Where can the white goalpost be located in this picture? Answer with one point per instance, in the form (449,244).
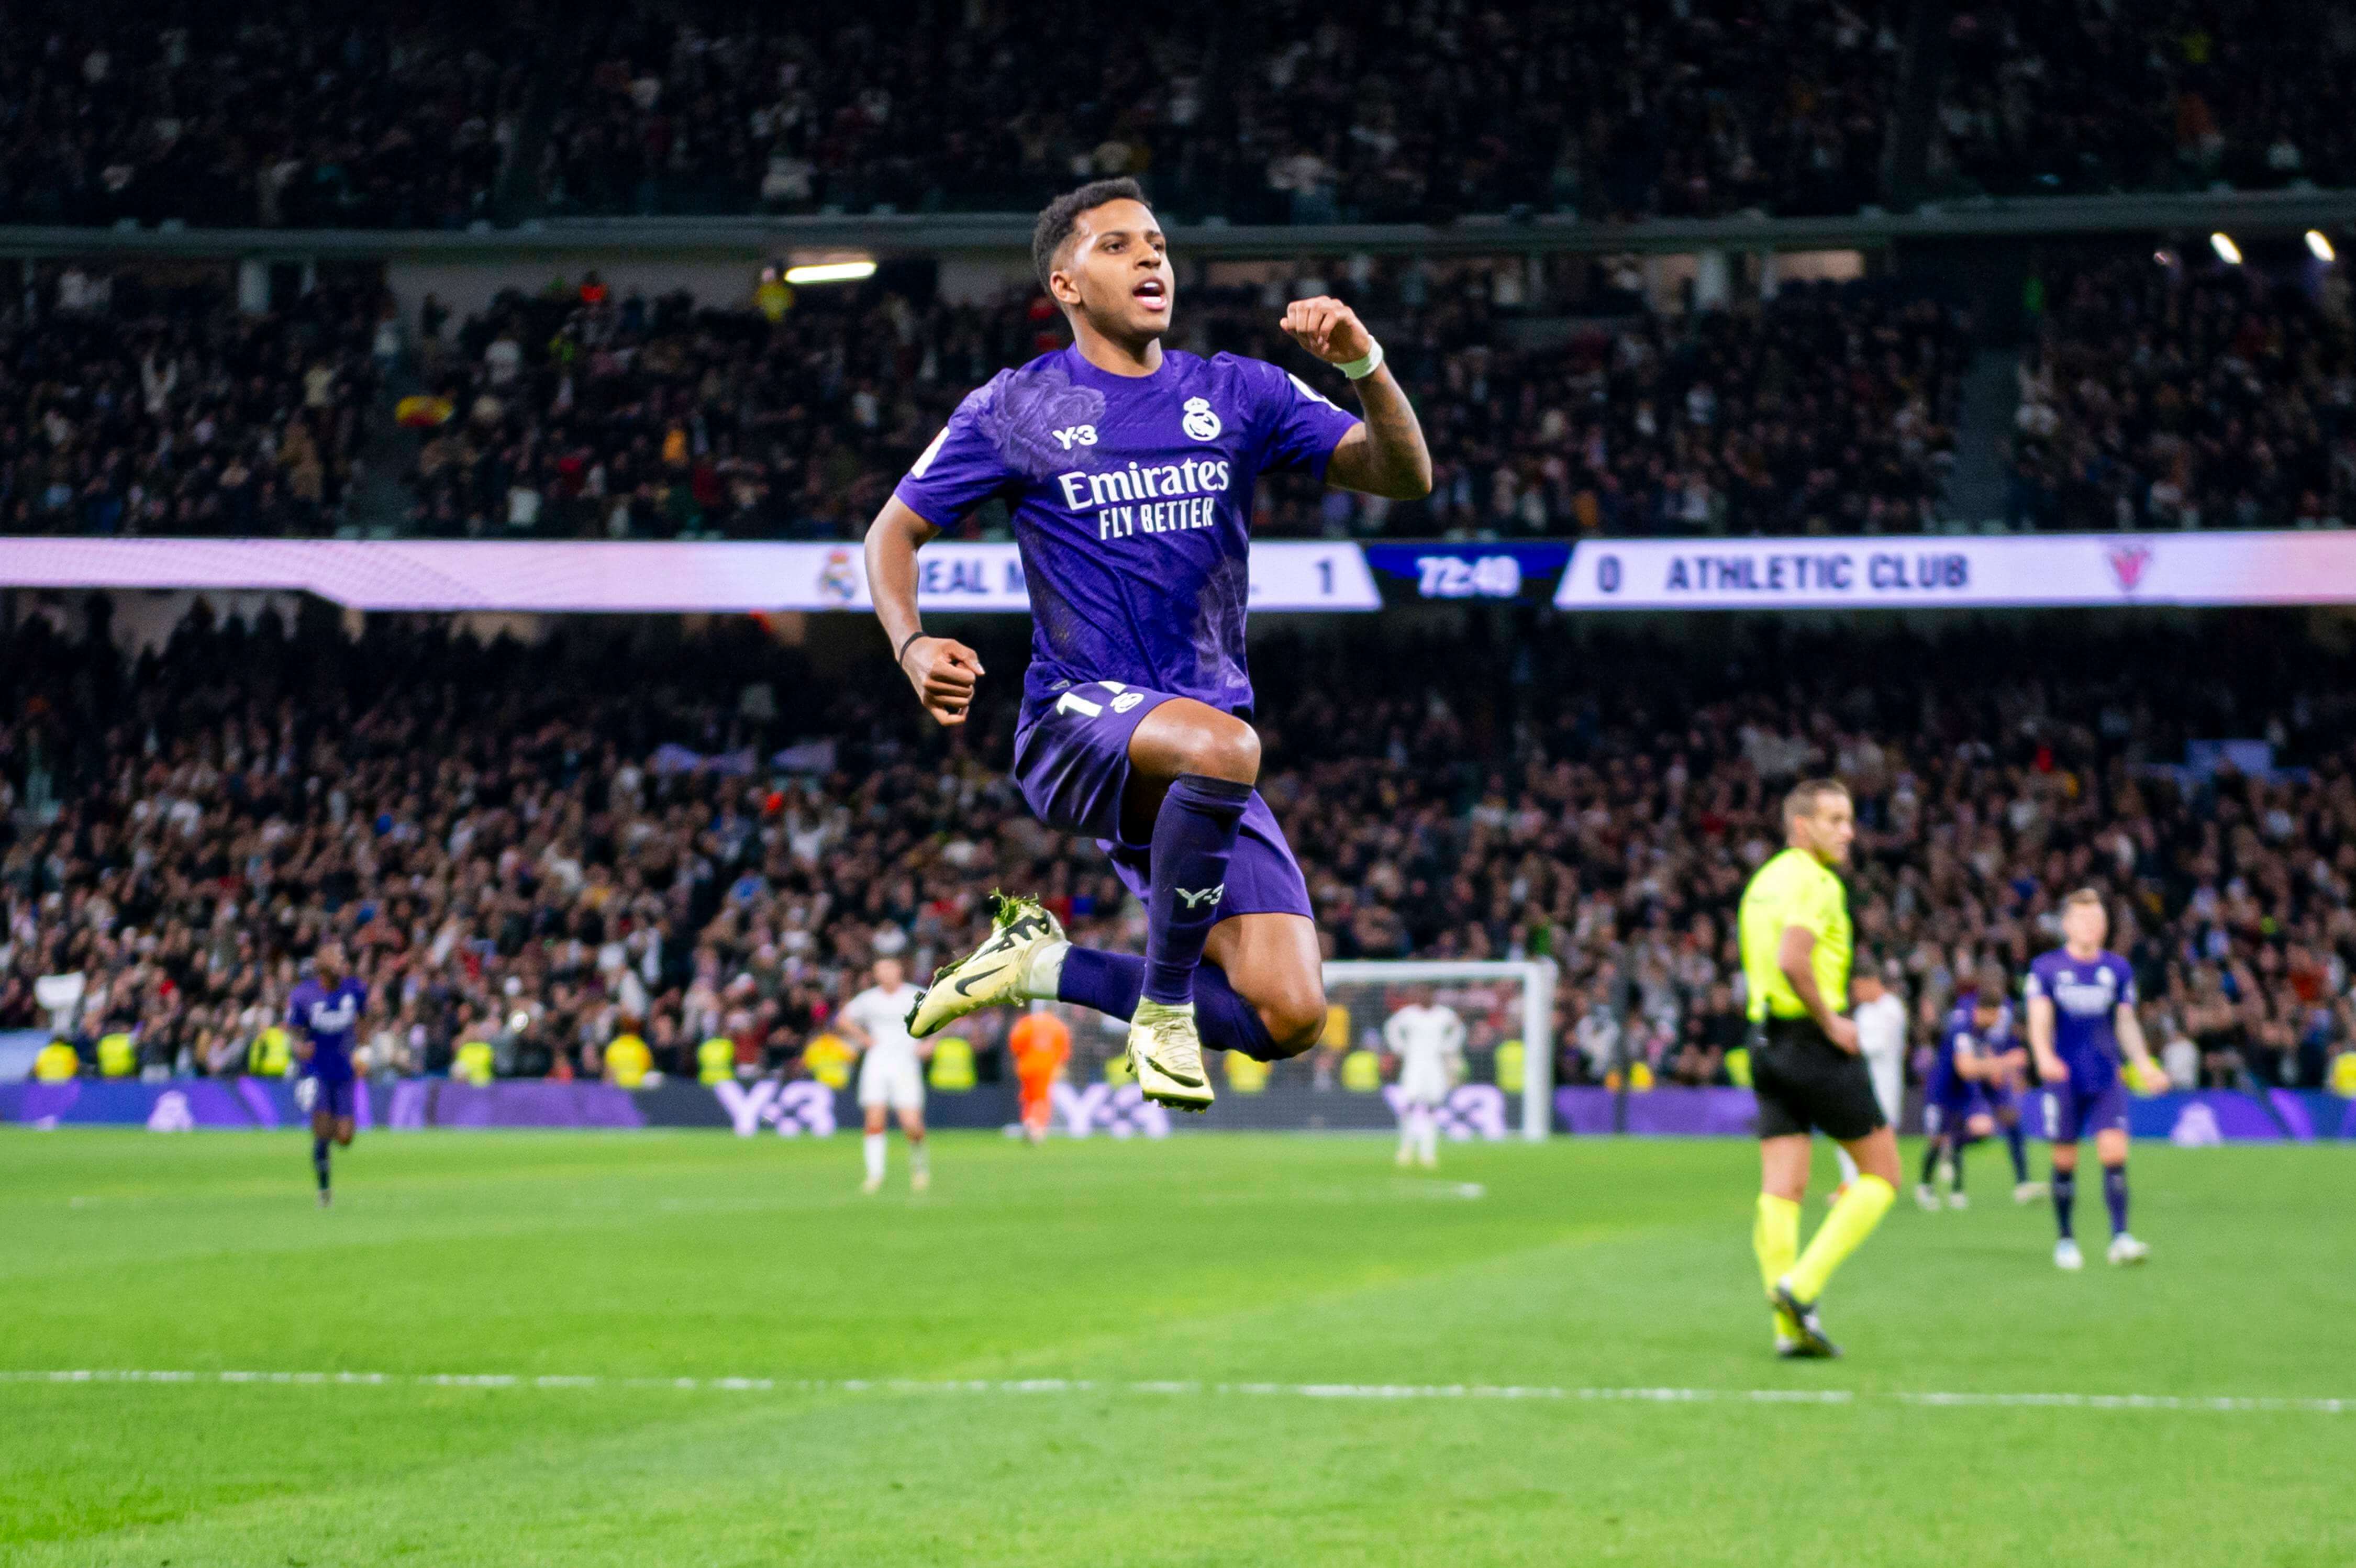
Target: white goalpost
(1348,1082)
(1484,991)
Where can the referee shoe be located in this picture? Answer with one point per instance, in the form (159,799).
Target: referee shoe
(1812,1343)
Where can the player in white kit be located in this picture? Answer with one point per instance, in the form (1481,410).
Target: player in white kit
(891,1075)
(1429,1042)
(1880,1019)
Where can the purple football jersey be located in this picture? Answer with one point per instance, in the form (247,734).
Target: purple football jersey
(1132,500)
(2085,993)
(328,1017)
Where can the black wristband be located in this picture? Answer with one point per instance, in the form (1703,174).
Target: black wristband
(906,644)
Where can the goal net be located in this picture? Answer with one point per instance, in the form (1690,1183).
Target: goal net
(1350,1082)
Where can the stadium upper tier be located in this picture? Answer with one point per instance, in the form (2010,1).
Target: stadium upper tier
(436,116)
(694,838)
(582,412)
(2152,395)
(1827,409)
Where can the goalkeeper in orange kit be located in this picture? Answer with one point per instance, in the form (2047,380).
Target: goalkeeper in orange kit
(1040,1045)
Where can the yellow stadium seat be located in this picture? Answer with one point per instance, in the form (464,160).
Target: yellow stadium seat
(1513,1060)
(473,1063)
(271,1056)
(627,1061)
(952,1066)
(716,1060)
(828,1058)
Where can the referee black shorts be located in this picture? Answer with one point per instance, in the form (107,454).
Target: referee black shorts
(1806,1083)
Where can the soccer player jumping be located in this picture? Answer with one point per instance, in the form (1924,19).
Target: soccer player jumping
(1129,470)
(2081,1004)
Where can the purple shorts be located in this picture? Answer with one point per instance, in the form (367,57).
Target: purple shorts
(1950,1107)
(1072,762)
(2074,1110)
(332,1095)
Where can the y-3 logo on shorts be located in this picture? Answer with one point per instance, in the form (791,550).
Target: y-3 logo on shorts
(1073,436)
(1208,895)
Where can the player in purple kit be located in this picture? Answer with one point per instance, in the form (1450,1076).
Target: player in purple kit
(2004,1078)
(1129,471)
(1955,1108)
(1973,1091)
(2080,1016)
(322,1014)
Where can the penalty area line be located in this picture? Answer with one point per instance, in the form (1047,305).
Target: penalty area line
(2209,1403)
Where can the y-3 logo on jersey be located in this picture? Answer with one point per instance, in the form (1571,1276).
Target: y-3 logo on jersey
(1197,900)
(1073,436)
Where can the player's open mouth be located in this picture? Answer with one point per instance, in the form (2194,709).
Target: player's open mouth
(1151,295)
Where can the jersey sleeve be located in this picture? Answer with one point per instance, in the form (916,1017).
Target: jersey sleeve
(2127,984)
(1394,1032)
(2032,986)
(961,469)
(1452,1035)
(1299,426)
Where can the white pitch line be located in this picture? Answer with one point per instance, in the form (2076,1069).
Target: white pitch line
(2219,1403)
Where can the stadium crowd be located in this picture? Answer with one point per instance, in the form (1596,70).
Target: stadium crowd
(1310,112)
(1306,112)
(2087,95)
(574,412)
(2162,394)
(128,406)
(323,115)
(633,831)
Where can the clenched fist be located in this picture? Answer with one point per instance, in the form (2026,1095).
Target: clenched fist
(943,671)
(1329,329)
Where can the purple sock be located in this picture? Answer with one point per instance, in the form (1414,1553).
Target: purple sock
(1109,983)
(2065,1197)
(2114,1193)
(1193,835)
(2018,1145)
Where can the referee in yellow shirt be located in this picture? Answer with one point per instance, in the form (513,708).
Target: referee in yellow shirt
(1805,1065)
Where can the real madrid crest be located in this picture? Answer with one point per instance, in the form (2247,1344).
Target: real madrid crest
(1200,422)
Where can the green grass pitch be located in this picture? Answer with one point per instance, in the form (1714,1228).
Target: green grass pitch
(1248,1268)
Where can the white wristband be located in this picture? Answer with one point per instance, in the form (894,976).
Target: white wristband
(1359,369)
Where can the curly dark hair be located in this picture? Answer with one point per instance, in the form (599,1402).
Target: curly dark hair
(1062,214)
